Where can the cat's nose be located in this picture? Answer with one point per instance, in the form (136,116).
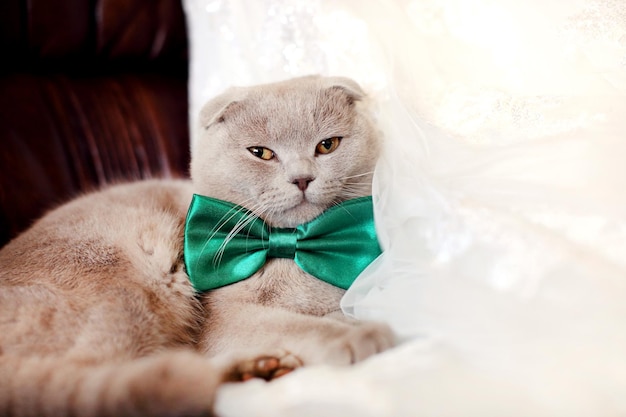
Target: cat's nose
(302,183)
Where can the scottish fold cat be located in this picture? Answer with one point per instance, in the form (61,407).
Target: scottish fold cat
(98,316)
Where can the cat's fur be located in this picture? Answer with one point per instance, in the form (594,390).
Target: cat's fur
(97,315)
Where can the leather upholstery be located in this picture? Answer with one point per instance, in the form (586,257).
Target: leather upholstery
(90,93)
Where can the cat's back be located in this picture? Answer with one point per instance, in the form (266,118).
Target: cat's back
(98,230)
(108,261)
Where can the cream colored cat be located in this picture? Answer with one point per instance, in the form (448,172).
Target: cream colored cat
(97,314)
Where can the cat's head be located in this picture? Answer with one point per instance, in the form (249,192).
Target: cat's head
(288,150)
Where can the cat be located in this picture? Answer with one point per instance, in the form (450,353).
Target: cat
(97,313)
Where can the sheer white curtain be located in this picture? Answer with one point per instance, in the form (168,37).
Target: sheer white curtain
(500,192)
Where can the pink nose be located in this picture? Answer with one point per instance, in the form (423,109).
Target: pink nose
(302,183)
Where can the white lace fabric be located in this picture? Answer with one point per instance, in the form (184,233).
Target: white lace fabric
(499,196)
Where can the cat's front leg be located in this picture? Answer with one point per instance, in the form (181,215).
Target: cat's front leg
(247,329)
(361,339)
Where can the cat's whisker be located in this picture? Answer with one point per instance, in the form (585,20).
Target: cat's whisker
(352,194)
(338,203)
(357,175)
(355,189)
(241,225)
(360,190)
(223,221)
(269,216)
(237,228)
(252,214)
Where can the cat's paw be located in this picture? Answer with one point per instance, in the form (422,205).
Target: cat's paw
(265,367)
(360,342)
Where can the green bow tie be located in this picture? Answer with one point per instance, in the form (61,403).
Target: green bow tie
(225,243)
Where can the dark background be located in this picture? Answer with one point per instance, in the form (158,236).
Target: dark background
(91,92)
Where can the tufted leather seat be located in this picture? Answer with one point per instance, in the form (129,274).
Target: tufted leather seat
(91,92)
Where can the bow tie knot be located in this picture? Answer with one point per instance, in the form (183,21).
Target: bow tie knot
(282,243)
(225,243)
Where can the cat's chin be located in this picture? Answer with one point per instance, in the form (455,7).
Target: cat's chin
(303,212)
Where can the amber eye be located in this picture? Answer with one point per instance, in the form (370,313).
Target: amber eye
(328,145)
(261,152)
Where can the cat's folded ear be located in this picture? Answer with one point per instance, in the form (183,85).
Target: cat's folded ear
(216,109)
(350,87)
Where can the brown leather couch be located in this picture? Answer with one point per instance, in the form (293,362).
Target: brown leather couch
(91,92)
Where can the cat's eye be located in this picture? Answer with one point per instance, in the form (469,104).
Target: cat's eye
(261,152)
(328,145)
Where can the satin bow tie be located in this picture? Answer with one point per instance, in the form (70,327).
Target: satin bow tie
(225,243)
